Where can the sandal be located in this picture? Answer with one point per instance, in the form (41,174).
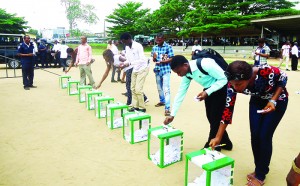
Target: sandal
(254,182)
(250,176)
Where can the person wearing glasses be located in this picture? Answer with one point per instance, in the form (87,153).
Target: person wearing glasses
(269,99)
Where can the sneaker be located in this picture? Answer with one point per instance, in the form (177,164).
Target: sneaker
(26,88)
(132,109)
(142,110)
(167,113)
(147,100)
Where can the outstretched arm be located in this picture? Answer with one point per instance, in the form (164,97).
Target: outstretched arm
(104,75)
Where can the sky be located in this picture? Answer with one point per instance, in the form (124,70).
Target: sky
(50,14)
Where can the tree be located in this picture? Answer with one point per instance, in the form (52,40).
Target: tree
(126,18)
(76,11)
(216,16)
(11,24)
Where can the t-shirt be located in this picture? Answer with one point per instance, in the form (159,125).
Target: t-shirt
(196,47)
(63,51)
(285,50)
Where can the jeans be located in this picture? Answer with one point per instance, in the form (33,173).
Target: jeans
(128,85)
(163,87)
(63,63)
(262,128)
(113,74)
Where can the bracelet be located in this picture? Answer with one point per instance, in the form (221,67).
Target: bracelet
(295,168)
(273,101)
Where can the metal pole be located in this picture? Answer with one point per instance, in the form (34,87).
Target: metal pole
(262,32)
(6,62)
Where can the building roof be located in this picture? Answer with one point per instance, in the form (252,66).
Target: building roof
(283,25)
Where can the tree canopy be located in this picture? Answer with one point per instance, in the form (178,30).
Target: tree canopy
(10,23)
(76,11)
(190,17)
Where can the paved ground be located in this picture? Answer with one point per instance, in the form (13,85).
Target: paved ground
(48,138)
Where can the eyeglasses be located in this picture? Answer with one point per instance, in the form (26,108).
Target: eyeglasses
(234,76)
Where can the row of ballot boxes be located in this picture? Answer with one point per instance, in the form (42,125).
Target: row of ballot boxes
(165,143)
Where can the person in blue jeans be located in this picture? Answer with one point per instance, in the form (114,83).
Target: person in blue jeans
(269,99)
(162,54)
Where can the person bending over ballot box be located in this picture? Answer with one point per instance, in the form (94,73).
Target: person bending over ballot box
(269,98)
(214,93)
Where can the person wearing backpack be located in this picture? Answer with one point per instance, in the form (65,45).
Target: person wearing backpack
(208,73)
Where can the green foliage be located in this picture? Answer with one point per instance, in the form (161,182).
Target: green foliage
(76,11)
(127,17)
(11,24)
(190,17)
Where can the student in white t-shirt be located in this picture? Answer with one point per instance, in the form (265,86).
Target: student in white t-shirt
(111,61)
(196,47)
(63,55)
(285,55)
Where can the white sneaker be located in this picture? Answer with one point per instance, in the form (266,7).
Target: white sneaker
(147,100)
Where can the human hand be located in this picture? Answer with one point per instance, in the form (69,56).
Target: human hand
(270,107)
(98,86)
(203,95)
(88,63)
(168,120)
(66,71)
(214,142)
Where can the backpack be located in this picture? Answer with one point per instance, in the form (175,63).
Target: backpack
(209,53)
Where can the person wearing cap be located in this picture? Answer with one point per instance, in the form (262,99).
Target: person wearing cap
(269,99)
(295,55)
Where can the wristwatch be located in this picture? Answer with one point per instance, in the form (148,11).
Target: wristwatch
(273,101)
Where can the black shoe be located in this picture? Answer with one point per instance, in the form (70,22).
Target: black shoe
(114,81)
(132,109)
(125,94)
(142,110)
(119,80)
(26,88)
(33,86)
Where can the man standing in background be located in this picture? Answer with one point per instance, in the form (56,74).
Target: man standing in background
(262,53)
(162,53)
(196,47)
(26,53)
(83,60)
(63,55)
(285,54)
(295,55)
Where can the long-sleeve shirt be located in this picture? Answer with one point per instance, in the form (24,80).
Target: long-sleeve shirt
(267,80)
(212,82)
(135,56)
(84,54)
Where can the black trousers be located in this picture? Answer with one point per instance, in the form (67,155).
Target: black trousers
(215,104)
(294,62)
(28,74)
